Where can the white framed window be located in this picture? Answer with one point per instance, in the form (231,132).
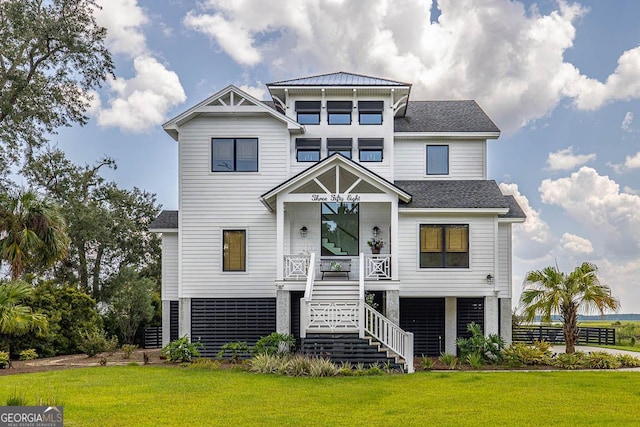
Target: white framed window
(234,250)
(234,154)
(437,160)
(444,245)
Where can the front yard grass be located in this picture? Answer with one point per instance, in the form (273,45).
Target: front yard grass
(170,396)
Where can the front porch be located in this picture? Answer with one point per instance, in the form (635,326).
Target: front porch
(376,267)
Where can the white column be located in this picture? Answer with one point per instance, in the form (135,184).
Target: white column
(506,325)
(490,315)
(283,312)
(184,325)
(280,239)
(166,322)
(450,325)
(392,306)
(394,239)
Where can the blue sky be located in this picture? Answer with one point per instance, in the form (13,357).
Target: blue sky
(561,79)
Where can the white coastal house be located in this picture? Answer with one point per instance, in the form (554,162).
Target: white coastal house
(281,200)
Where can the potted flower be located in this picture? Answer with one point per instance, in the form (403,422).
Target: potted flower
(375,243)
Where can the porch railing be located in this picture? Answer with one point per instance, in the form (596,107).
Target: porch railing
(389,334)
(296,267)
(333,316)
(377,267)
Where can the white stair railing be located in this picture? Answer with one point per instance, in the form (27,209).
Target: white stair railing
(389,334)
(306,300)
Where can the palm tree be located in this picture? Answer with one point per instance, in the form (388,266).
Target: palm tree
(550,291)
(32,232)
(16,318)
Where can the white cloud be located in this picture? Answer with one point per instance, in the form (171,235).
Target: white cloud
(626,122)
(575,245)
(525,78)
(258,91)
(566,160)
(142,101)
(596,202)
(124,20)
(632,162)
(533,238)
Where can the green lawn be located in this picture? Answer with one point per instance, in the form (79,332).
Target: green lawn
(165,396)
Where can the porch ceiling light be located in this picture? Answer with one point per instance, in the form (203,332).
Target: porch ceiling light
(303,231)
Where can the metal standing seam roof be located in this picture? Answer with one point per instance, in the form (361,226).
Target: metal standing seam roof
(166,220)
(453,194)
(338,79)
(444,116)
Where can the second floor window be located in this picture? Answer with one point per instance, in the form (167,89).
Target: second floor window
(370,149)
(437,160)
(308,112)
(234,154)
(339,112)
(234,250)
(444,246)
(339,145)
(308,149)
(370,112)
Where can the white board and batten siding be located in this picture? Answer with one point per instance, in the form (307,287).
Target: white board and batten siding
(466,159)
(442,282)
(212,202)
(504,260)
(170,266)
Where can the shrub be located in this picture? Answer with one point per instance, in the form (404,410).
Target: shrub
(181,350)
(235,348)
(570,361)
(111,345)
(345,369)
(322,367)
(488,348)
(127,349)
(28,354)
(275,343)
(360,370)
(601,360)
(449,360)
(375,369)
(205,363)
(427,363)
(475,360)
(298,366)
(520,354)
(628,361)
(268,364)
(93,342)
(4,360)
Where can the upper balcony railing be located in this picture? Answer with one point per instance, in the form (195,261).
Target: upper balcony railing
(376,267)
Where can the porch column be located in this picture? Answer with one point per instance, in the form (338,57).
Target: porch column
(283,311)
(280,239)
(166,322)
(184,325)
(394,239)
(450,325)
(490,315)
(506,325)
(392,306)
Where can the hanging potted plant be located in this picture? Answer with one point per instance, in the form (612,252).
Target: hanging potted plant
(375,243)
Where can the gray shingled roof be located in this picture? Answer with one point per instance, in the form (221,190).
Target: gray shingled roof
(338,79)
(166,220)
(515,211)
(453,194)
(444,116)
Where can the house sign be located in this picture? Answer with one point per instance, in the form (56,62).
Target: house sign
(338,198)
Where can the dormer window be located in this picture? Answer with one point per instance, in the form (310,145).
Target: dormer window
(339,112)
(308,112)
(339,145)
(308,149)
(370,112)
(370,149)
(437,160)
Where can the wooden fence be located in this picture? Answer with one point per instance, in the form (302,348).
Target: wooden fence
(554,335)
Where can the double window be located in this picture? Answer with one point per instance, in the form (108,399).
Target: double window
(339,145)
(444,246)
(308,112)
(437,160)
(370,112)
(339,229)
(370,149)
(308,149)
(339,112)
(234,250)
(234,154)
